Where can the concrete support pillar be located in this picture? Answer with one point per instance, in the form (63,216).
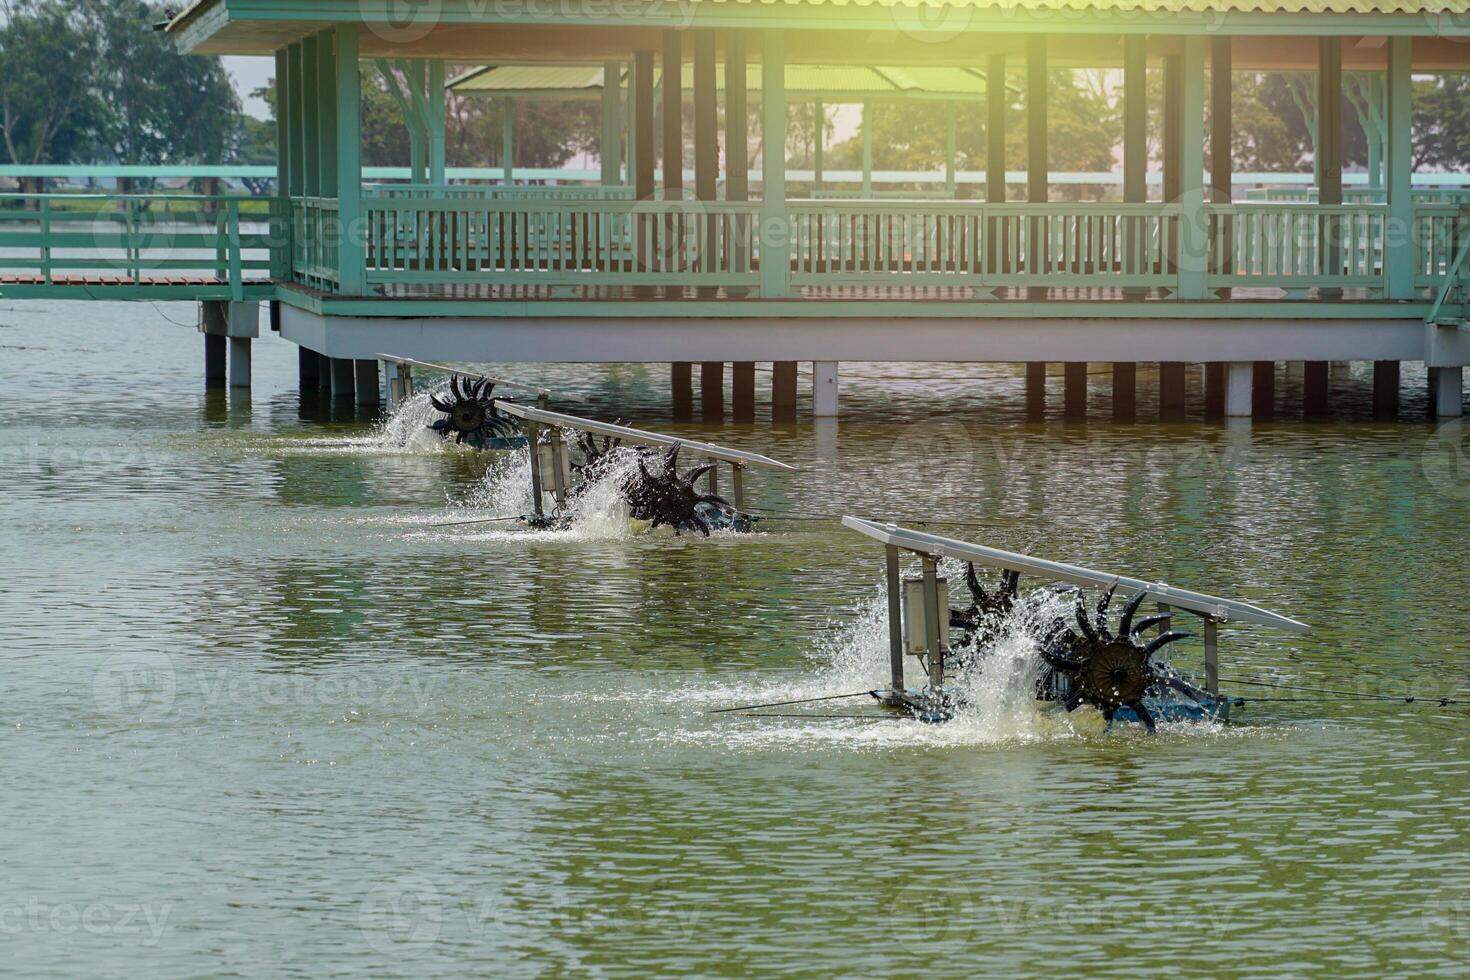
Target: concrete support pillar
(712,390)
(239,362)
(681,379)
(742,391)
(365,383)
(1447,392)
(214,360)
(1385,389)
(1125,391)
(1239,380)
(342,378)
(1171,391)
(824,389)
(1214,390)
(1314,389)
(308,368)
(1263,389)
(783,391)
(1036,390)
(1074,390)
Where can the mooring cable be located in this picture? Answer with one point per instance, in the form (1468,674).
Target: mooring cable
(478,520)
(779,704)
(1345,695)
(793,714)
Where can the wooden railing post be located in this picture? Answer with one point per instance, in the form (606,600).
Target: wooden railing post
(46,240)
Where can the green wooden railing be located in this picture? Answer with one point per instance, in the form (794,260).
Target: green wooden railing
(438,241)
(136,240)
(633,243)
(983,245)
(1298,246)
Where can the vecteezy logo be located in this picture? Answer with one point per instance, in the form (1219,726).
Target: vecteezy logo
(932,23)
(401,21)
(137,685)
(1444,461)
(405,912)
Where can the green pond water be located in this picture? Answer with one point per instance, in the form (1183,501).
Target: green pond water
(260,716)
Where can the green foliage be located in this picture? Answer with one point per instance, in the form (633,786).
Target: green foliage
(82,82)
(50,106)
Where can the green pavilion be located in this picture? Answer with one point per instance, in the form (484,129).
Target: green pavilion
(725,263)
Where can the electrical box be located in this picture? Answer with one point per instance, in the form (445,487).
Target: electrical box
(915,625)
(546,460)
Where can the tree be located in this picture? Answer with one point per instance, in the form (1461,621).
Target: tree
(49,105)
(164,106)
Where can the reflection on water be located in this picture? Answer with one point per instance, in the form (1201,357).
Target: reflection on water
(264,715)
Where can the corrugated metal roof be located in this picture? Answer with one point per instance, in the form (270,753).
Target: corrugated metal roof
(586,80)
(1157,6)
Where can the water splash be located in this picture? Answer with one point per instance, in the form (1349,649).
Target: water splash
(407,426)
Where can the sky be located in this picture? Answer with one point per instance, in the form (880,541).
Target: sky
(250,74)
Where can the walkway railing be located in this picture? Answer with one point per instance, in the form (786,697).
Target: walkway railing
(571,243)
(983,245)
(436,241)
(1298,246)
(136,240)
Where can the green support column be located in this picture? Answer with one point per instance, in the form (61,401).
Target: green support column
(629,135)
(1329,149)
(995,129)
(1135,143)
(311,132)
(1037,176)
(1135,119)
(284,141)
(610,149)
(1037,164)
(507,140)
(867,127)
(1193,234)
(819,136)
(641,91)
(706,117)
(995,152)
(1172,121)
(950,146)
(737,160)
(437,97)
(326,73)
(672,81)
(348,140)
(1400,261)
(775,233)
(1221,163)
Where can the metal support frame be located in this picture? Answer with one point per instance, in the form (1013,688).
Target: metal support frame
(559,486)
(1212,657)
(533,440)
(933,651)
(737,482)
(895,618)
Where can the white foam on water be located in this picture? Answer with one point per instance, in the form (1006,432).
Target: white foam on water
(407,426)
(998,693)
